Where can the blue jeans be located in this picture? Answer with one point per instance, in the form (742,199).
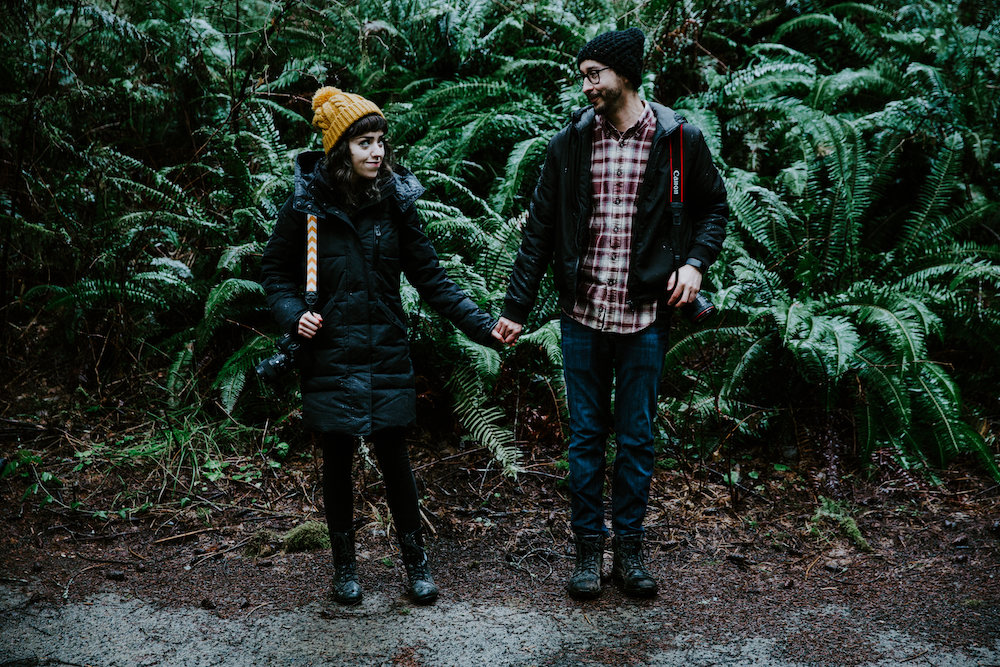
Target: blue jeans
(593,363)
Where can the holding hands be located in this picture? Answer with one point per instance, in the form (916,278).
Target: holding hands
(507,331)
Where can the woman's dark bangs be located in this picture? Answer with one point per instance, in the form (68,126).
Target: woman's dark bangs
(373,122)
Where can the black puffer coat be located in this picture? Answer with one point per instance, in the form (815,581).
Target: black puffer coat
(357,376)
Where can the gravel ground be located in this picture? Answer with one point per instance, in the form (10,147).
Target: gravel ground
(110,630)
(898,573)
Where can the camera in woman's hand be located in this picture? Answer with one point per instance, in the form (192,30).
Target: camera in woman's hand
(270,370)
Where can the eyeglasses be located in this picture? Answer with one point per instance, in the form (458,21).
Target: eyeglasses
(594,75)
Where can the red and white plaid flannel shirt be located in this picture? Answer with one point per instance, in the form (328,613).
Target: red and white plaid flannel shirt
(617,166)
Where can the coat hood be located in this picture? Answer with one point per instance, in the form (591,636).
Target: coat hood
(311,185)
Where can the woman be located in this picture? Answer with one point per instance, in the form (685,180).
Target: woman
(356,375)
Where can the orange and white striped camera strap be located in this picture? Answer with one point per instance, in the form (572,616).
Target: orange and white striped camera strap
(312,241)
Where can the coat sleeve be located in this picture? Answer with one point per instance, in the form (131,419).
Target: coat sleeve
(537,243)
(422,267)
(706,192)
(283,268)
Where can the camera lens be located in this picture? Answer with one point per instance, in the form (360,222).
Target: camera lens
(700,309)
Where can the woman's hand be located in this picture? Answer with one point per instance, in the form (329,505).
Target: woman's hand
(309,324)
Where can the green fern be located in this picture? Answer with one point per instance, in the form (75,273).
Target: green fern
(484,423)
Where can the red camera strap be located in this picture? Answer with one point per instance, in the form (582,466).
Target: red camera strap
(677,176)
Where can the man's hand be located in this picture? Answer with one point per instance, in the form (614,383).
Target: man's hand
(309,324)
(685,284)
(507,331)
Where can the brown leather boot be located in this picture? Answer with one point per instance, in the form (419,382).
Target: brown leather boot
(585,582)
(346,589)
(628,570)
(418,571)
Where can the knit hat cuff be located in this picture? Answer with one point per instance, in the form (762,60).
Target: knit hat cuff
(335,110)
(621,50)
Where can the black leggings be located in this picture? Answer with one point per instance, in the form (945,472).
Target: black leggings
(394,462)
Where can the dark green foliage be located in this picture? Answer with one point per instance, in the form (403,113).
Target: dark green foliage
(859,222)
(147,147)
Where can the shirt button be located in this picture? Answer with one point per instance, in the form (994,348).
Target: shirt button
(618,173)
(617,229)
(618,201)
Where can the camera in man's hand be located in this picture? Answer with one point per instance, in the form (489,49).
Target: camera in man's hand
(698,310)
(270,370)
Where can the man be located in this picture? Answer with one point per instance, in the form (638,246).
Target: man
(601,214)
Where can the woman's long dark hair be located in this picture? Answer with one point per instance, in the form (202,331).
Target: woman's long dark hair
(340,170)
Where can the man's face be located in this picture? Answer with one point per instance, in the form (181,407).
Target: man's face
(606,94)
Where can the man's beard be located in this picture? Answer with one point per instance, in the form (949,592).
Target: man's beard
(608,100)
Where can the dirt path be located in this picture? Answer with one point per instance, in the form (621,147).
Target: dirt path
(109,630)
(895,575)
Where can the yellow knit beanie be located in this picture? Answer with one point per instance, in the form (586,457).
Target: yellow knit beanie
(334,111)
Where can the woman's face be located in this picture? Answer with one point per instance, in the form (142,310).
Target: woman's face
(367,151)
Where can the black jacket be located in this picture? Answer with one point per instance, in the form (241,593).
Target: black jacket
(557,228)
(356,374)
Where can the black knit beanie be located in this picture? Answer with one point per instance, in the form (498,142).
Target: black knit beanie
(621,50)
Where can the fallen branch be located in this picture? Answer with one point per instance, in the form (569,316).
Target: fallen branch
(448,458)
(914,657)
(68,583)
(215,554)
(183,535)
(264,604)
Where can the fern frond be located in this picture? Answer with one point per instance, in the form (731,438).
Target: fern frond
(548,338)
(524,157)
(745,361)
(904,321)
(114,23)
(218,305)
(233,375)
(937,402)
(181,361)
(483,423)
(829,90)
(933,196)
(770,80)
(768,220)
(496,259)
(815,24)
(881,378)
(232,256)
(432,177)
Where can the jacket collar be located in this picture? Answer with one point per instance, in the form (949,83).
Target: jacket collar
(405,186)
(667,120)
(313,194)
(307,182)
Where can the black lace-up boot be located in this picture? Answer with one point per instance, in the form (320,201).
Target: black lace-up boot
(585,583)
(628,571)
(346,589)
(418,571)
